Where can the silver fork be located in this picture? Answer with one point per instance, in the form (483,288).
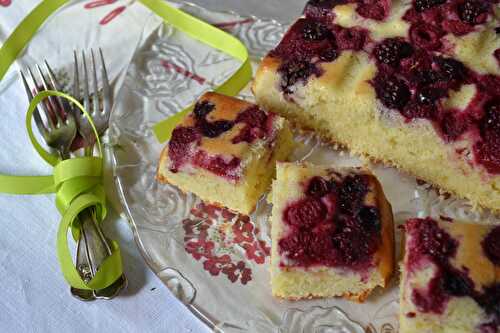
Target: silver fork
(60,127)
(59,130)
(93,247)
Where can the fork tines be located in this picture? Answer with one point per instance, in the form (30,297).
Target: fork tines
(52,107)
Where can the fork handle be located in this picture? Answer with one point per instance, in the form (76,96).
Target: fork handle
(97,246)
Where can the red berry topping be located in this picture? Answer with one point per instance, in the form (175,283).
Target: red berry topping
(392,50)
(451,69)
(201,109)
(351,192)
(392,92)
(491,246)
(428,239)
(473,11)
(315,31)
(351,39)
(318,187)
(421,5)
(373,9)
(295,71)
(179,145)
(305,213)
(214,129)
(426,36)
(253,117)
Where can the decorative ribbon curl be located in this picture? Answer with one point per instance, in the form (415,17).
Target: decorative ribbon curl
(78,186)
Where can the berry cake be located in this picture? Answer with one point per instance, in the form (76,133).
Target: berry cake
(332,233)
(451,277)
(412,83)
(225,152)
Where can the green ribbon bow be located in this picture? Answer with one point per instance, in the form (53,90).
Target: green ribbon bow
(77,182)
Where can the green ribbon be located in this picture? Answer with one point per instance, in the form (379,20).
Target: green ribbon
(77,182)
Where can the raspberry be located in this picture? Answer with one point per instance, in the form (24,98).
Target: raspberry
(201,109)
(430,239)
(351,39)
(393,92)
(315,31)
(473,11)
(252,116)
(214,129)
(318,187)
(373,9)
(305,213)
(392,50)
(421,5)
(178,146)
(426,36)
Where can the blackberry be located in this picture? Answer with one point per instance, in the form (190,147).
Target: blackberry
(425,77)
(451,69)
(429,95)
(318,187)
(369,218)
(213,130)
(294,71)
(392,50)
(393,92)
(457,283)
(315,31)
(470,11)
(201,109)
(329,55)
(421,5)
(497,30)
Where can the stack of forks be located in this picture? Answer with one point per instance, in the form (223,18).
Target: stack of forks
(59,122)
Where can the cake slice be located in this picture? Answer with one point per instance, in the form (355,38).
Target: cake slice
(332,233)
(414,84)
(451,278)
(225,152)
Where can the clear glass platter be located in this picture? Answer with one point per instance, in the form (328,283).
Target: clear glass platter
(214,261)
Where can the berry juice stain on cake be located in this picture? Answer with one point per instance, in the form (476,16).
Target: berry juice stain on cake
(331,226)
(186,146)
(429,244)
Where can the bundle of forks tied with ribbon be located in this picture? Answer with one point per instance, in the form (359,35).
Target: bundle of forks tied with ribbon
(72,127)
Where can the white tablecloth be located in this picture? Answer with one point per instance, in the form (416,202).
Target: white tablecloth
(34,295)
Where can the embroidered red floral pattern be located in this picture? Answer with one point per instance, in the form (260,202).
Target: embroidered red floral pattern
(221,239)
(111,14)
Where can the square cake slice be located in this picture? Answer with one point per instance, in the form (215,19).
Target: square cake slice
(332,233)
(225,152)
(451,277)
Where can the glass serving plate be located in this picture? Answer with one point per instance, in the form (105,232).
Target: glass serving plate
(214,261)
